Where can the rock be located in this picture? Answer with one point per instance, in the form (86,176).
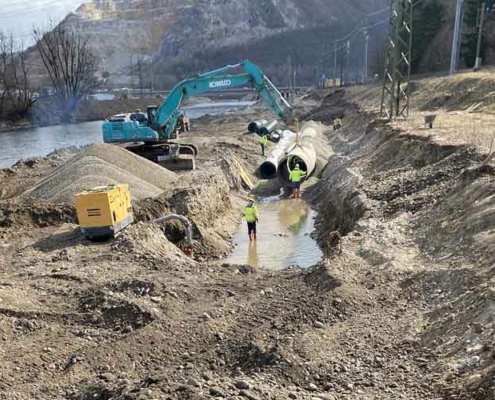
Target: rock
(108,377)
(127,329)
(189,366)
(241,385)
(326,397)
(205,317)
(193,382)
(318,324)
(124,382)
(249,395)
(292,395)
(156,300)
(216,392)
(312,387)
(327,386)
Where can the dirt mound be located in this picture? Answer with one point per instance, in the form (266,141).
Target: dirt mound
(101,165)
(148,242)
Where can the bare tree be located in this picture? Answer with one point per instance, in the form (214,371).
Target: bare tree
(69,62)
(16,99)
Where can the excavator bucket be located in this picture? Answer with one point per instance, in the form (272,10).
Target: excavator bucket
(179,158)
(173,156)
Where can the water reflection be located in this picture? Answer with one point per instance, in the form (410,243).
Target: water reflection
(253,258)
(284,237)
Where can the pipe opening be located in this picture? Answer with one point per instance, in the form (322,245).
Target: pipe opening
(268,170)
(287,165)
(253,127)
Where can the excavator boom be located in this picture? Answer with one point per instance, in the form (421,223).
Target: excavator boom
(160,125)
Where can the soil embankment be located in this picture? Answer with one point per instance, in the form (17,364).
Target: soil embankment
(399,308)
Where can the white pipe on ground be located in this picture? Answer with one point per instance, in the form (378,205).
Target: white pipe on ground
(268,170)
(255,126)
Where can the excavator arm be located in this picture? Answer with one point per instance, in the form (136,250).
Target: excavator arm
(168,113)
(160,124)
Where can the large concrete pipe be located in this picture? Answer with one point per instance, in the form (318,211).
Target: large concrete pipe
(269,128)
(268,170)
(303,153)
(255,126)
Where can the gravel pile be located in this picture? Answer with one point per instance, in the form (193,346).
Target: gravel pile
(136,165)
(101,165)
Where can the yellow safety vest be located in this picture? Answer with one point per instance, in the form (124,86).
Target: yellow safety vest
(251,214)
(296,175)
(264,140)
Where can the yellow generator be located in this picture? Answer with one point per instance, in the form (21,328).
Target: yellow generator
(104,211)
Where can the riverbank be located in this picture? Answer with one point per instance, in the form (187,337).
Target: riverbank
(46,114)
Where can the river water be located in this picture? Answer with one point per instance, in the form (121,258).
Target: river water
(39,142)
(284,237)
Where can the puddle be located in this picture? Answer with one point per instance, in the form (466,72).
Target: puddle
(284,237)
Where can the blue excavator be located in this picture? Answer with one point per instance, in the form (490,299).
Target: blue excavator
(151,134)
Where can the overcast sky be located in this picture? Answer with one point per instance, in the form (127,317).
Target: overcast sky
(19,16)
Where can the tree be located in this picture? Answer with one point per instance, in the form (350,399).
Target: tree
(70,64)
(470,31)
(16,99)
(428,21)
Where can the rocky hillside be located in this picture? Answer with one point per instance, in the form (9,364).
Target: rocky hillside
(183,36)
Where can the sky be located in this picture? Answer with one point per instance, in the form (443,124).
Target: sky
(20,16)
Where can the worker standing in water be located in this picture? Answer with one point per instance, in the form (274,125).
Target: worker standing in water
(263,143)
(251,216)
(295,177)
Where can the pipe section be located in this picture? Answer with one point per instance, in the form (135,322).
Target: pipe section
(269,128)
(268,170)
(255,126)
(186,223)
(302,153)
(276,135)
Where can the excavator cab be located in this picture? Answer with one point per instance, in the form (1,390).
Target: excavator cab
(151,112)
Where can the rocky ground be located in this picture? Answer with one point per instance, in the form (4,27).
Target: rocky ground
(401,307)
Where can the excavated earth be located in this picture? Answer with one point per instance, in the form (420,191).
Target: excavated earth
(401,307)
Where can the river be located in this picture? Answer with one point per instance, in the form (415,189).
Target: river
(39,142)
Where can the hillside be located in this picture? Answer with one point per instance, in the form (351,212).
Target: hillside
(185,36)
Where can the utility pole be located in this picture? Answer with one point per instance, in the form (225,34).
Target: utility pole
(477,63)
(140,72)
(396,88)
(335,48)
(366,45)
(347,62)
(457,37)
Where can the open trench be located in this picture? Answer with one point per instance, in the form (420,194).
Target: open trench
(397,306)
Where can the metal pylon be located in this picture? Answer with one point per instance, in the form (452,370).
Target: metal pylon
(396,88)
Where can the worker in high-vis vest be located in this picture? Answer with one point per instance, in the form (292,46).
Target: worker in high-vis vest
(251,217)
(263,143)
(295,177)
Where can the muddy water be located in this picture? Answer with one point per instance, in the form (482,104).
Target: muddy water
(284,237)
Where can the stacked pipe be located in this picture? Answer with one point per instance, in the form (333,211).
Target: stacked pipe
(302,153)
(268,170)
(269,128)
(255,126)
(276,135)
